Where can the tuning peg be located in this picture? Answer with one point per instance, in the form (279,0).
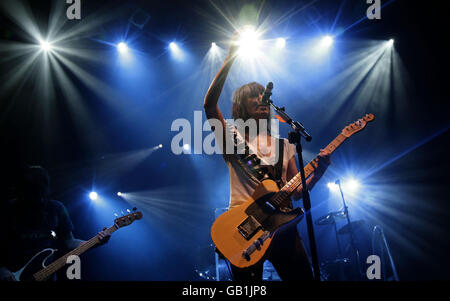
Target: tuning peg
(128,210)
(121,211)
(116,215)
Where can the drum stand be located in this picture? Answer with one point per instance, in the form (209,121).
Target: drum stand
(332,218)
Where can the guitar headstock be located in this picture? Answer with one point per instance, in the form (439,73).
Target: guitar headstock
(128,219)
(357,126)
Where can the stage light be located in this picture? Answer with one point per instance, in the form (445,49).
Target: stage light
(280,43)
(333,186)
(93,195)
(119,193)
(352,185)
(122,47)
(320,48)
(173,46)
(160,146)
(45,46)
(390,43)
(326,42)
(349,185)
(249,41)
(214,48)
(213,53)
(176,51)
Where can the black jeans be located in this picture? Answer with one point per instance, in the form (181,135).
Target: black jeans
(288,256)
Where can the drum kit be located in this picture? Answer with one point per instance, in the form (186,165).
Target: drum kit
(334,270)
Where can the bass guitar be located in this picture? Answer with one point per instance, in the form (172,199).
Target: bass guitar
(37,262)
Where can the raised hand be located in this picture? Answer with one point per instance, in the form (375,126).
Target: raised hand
(234,45)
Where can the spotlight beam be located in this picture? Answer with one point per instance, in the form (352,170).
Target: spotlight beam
(24,69)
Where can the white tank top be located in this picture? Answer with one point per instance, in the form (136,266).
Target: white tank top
(241,185)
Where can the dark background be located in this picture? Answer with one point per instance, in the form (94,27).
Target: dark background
(401,158)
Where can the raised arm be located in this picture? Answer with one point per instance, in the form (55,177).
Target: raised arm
(215,89)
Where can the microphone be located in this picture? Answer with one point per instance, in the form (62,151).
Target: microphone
(337,182)
(296,126)
(267,93)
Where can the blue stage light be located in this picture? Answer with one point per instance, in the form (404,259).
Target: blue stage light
(326,42)
(173,46)
(93,195)
(122,47)
(281,43)
(176,51)
(352,185)
(333,187)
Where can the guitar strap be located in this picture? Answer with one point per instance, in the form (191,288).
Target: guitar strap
(279,166)
(251,164)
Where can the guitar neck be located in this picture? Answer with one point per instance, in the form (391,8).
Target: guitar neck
(282,197)
(52,268)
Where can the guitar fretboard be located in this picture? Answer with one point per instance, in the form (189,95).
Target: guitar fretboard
(53,267)
(281,198)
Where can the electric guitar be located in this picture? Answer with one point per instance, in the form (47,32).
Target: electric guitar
(244,233)
(37,262)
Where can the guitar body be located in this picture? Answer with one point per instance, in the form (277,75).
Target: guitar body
(36,263)
(244,233)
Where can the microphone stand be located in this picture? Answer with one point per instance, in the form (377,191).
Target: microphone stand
(298,130)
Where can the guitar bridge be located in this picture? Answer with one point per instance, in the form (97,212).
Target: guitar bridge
(249,227)
(256,245)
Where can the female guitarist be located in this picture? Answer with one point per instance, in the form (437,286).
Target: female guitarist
(286,252)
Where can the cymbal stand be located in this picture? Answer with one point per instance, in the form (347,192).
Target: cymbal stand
(352,238)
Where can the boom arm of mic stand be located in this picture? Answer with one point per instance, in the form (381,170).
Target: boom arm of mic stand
(296,126)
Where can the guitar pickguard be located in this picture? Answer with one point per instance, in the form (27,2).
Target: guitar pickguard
(267,217)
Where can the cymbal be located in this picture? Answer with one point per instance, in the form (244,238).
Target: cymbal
(355,225)
(330,218)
